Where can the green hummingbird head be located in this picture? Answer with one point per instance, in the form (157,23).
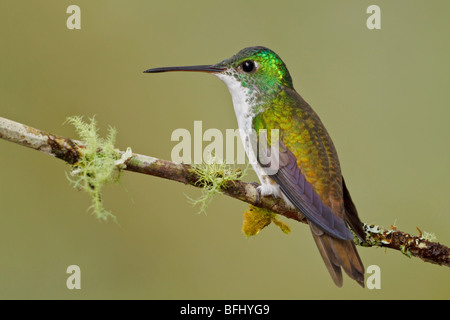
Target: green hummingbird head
(257,68)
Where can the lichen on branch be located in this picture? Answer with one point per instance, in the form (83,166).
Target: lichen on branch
(97,165)
(213,176)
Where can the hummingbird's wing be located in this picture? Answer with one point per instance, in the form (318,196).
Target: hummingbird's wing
(303,196)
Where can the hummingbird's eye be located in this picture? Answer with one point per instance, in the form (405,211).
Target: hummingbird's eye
(248,66)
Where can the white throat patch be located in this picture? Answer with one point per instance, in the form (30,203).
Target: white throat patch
(241,96)
(244,114)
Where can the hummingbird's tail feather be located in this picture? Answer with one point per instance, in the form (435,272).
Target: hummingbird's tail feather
(337,253)
(330,263)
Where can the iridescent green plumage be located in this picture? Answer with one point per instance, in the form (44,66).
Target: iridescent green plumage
(272,74)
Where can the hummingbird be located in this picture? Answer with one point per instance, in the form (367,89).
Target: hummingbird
(308,175)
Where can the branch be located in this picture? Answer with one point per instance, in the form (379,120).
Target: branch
(71,151)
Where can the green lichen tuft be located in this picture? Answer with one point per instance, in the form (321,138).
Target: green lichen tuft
(256,219)
(213,176)
(97,164)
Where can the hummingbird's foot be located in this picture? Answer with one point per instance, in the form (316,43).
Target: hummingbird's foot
(258,192)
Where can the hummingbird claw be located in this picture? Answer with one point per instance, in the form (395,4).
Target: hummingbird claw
(258,192)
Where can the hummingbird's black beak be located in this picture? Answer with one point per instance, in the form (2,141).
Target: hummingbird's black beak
(203,68)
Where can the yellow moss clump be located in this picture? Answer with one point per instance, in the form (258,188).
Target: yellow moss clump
(256,219)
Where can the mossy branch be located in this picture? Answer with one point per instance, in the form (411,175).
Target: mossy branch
(72,151)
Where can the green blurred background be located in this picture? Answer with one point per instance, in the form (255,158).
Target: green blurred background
(383,95)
